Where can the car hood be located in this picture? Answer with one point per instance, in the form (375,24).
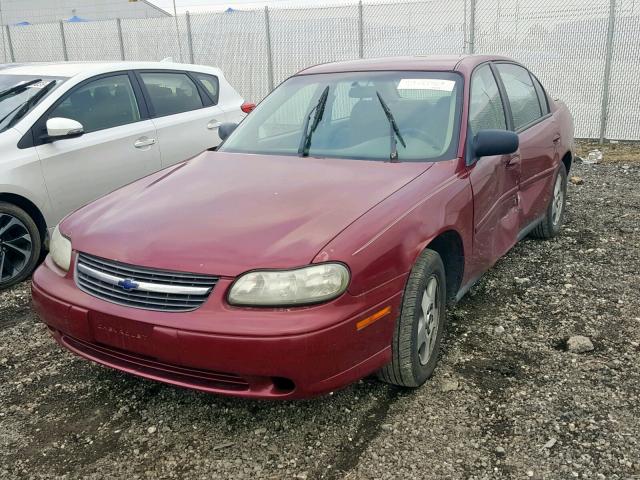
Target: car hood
(226,213)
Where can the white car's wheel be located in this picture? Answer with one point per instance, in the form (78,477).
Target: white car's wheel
(20,245)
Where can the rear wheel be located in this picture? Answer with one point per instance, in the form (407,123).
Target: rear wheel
(416,341)
(20,245)
(554,217)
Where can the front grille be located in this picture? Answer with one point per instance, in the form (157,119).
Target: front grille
(141,287)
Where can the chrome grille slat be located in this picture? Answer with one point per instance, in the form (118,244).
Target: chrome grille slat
(148,297)
(185,292)
(147,275)
(136,303)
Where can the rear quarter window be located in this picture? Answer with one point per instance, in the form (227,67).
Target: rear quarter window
(542,95)
(211,85)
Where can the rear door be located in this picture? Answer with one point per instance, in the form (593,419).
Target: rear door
(494,179)
(183,113)
(538,132)
(119,144)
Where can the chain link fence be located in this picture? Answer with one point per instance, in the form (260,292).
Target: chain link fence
(586,52)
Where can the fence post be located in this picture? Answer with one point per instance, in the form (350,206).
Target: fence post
(4,47)
(65,54)
(189,37)
(360,29)
(269,52)
(120,38)
(12,55)
(472,26)
(607,70)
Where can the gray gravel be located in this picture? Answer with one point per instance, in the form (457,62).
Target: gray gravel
(509,400)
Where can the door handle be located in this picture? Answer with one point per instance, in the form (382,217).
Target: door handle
(144,142)
(213,124)
(556,139)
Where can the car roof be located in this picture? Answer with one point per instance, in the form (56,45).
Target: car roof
(71,69)
(420,63)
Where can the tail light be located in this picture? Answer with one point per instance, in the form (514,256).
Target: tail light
(247,107)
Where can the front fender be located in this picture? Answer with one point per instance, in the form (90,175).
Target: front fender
(383,244)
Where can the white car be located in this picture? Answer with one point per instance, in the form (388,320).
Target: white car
(72,132)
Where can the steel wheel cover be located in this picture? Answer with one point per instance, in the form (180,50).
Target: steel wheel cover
(557,204)
(428,321)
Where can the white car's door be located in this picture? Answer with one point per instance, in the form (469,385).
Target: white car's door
(119,144)
(184,115)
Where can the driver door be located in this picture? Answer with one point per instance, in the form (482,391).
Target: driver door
(495,180)
(119,144)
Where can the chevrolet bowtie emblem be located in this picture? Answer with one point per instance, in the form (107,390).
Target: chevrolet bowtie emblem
(128,285)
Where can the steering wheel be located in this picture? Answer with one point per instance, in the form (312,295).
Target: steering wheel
(415,132)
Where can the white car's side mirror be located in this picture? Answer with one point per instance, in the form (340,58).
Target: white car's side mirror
(59,128)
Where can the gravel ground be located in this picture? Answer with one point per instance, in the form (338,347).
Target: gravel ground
(509,400)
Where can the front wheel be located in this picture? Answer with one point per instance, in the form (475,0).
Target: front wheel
(554,217)
(20,245)
(418,333)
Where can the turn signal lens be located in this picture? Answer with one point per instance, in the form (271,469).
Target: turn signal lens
(373,318)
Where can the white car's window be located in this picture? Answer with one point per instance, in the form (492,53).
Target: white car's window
(104,103)
(171,93)
(485,109)
(404,116)
(523,99)
(211,83)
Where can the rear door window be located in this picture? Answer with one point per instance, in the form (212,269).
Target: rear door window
(521,93)
(103,103)
(171,93)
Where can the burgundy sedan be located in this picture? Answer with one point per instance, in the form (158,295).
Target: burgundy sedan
(323,240)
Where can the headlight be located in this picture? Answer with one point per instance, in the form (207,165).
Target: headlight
(60,250)
(313,284)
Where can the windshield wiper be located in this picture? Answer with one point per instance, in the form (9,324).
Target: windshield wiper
(395,131)
(307,133)
(19,88)
(24,107)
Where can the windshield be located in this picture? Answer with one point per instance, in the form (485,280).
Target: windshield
(386,116)
(20,93)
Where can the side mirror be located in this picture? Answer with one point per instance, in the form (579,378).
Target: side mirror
(59,128)
(226,129)
(495,142)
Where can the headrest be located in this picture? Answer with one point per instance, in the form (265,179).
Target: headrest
(362,91)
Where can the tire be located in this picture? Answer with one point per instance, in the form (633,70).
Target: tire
(412,362)
(20,245)
(553,219)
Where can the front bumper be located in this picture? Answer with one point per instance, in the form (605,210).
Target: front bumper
(255,353)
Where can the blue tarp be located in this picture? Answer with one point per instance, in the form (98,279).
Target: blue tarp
(76,19)
(22,24)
